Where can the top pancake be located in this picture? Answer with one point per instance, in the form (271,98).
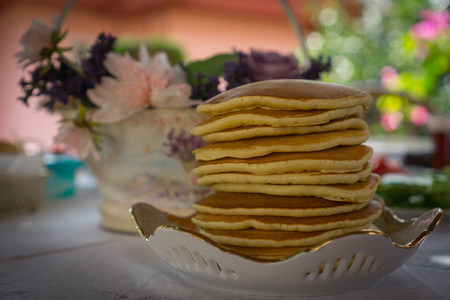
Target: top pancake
(286,94)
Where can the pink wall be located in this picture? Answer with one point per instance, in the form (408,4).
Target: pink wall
(201,30)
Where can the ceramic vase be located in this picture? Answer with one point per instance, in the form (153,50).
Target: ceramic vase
(147,158)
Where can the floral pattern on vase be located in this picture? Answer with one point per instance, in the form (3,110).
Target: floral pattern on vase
(148,158)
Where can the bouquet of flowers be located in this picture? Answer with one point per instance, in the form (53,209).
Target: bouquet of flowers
(116,86)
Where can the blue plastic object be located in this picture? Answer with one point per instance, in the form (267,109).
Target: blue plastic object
(61,181)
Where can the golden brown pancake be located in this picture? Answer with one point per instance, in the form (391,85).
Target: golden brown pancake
(267,253)
(287,143)
(361,191)
(288,94)
(275,238)
(337,159)
(247,132)
(306,177)
(238,222)
(275,118)
(286,166)
(263,204)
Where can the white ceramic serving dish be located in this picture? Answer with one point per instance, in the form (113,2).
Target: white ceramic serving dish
(348,263)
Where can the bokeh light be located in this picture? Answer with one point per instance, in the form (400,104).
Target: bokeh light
(328,16)
(391,122)
(418,115)
(315,41)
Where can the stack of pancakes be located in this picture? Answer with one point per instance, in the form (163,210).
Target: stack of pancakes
(287,166)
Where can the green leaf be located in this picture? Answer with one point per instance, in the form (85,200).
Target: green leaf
(65,49)
(45,53)
(81,113)
(46,68)
(213,66)
(54,38)
(60,36)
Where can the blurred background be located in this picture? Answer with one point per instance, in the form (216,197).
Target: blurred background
(196,28)
(399,48)
(399,51)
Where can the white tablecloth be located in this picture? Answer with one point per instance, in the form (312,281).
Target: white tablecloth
(61,252)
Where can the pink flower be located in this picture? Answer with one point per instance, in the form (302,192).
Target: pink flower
(418,115)
(168,83)
(35,39)
(440,19)
(124,95)
(432,25)
(152,82)
(79,139)
(389,77)
(391,122)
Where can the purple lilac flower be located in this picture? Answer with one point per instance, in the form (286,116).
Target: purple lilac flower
(182,144)
(236,73)
(259,65)
(204,87)
(271,65)
(92,66)
(72,82)
(41,80)
(318,65)
(60,83)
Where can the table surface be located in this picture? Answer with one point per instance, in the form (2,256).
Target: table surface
(61,252)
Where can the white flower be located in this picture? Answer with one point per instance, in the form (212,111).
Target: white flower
(125,94)
(168,83)
(36,38)
(135,85)
(79,139)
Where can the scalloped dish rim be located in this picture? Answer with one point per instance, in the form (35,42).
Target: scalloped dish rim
(437,212)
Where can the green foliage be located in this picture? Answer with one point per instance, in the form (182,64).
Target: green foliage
(213,66)
(428,189)
(362,41)
(154,44)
